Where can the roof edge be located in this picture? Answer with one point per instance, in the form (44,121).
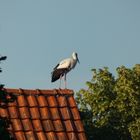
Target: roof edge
(40,91)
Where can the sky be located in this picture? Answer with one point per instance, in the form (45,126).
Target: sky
(36,35)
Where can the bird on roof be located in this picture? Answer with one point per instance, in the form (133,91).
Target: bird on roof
(62,68)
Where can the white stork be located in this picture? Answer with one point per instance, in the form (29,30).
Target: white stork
(64,67)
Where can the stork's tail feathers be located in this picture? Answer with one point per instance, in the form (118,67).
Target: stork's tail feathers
(57,73)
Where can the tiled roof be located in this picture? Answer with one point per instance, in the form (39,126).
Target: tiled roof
(43,115)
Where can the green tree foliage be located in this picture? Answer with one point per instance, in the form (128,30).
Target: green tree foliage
(110,107)
(4,122)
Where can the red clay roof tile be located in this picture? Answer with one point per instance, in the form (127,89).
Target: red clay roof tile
(13,111)
(55,115)
(71,101)
(58,126)
(81,136)
(12,103)
(65,113)
(27,125)
(79,126)
(62,136)
(20,135)
(72,136)
(75,113)
(34,112)
(41,136)
(48,125)
(52,101)
(32,101)
(24,112)
(51,136)
(42,101)
(62,101)
(30,135)
(4,112)
(69,125)
(37,125)
(43,115)
(22,101)
(16,124)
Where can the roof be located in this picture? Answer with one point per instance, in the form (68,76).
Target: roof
(43,115)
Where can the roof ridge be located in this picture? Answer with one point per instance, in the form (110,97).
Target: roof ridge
(39,91)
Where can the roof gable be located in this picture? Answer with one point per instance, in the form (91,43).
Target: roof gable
(43,115)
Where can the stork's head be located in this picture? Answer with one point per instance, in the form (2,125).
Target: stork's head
(75,56)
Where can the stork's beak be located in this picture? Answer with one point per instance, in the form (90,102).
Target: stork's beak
(78,60)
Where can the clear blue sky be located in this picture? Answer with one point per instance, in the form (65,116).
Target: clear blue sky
(36,35)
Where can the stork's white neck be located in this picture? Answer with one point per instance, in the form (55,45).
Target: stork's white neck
(74,56)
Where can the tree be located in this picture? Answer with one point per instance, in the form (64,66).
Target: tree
(4,122)
(110,107)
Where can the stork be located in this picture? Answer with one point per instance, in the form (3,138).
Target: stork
(64,67)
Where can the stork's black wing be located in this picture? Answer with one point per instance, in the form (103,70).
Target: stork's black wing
(57,73)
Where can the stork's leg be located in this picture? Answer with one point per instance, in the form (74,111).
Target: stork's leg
(60,81)
(65,80)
